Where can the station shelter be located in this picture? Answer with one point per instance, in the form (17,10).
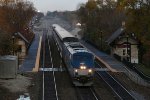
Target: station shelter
(22,43)
(124,45)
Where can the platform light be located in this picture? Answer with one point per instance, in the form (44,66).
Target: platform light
(76,70)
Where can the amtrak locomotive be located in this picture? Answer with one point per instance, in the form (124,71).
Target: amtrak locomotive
(79,61)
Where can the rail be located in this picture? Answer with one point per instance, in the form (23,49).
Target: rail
(116,87)
(133,68)
(86,93)
(53,70)
(49,83)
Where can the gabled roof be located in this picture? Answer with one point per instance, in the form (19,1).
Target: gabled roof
(22,37)
(115,35)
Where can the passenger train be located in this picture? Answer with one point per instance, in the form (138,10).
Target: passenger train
(79,61)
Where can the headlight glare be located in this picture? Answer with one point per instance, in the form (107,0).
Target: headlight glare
(90,70)
(82,67)
(76,70)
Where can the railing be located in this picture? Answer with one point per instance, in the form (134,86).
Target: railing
(134,68)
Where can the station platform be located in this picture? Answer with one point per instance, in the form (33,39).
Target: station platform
(30,60)
(110,62)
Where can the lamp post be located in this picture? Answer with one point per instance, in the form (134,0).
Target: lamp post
(101,40)
(13,39)
(128,53)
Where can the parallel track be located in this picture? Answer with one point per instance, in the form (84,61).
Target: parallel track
(117,88)
(87,93)
(49,84)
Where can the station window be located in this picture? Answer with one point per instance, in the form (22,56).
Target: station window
(129,51)
(124,51)
(19,48)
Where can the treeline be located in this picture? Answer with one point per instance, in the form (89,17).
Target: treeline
(138,22)
(15,16)
(69,16)
(101,18)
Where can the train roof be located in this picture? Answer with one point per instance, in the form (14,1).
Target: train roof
(62,33)
(76,47)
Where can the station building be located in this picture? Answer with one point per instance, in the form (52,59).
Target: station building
(22,43)
(124,45)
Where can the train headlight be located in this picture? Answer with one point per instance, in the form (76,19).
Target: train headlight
(82,67)
(90,70)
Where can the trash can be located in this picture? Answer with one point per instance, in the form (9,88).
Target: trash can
(8,66)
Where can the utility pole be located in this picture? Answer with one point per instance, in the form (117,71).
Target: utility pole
(13,39)
(101,40)
(128,48)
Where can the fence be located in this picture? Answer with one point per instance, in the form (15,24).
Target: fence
(134,68)
(136,75)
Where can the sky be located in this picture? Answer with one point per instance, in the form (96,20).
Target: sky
(59,5)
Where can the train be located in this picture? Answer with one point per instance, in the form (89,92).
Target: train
(79,61)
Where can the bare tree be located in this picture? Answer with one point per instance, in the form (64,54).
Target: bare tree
(100,20)
(15,15)
(6,43)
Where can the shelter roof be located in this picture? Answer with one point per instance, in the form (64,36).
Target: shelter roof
(21,36)
(115,35)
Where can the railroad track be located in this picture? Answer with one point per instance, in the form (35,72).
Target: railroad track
(86,93)
(83,93)
(49,83)
(116,87)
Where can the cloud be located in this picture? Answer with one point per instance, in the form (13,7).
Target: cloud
(60,5)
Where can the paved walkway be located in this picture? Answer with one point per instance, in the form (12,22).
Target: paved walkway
(110,62)
(29,62)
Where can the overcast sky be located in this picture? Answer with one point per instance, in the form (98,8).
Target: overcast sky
(60,5)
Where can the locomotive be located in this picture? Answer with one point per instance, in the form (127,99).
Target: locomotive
(79,61)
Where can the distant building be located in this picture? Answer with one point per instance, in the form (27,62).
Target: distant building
(124,45)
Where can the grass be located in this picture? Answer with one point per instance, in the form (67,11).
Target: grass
(144,69)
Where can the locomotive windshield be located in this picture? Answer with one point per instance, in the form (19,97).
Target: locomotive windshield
(86,59)
(70,39)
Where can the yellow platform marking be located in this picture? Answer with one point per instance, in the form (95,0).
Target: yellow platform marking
(106,64)
(36,67)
